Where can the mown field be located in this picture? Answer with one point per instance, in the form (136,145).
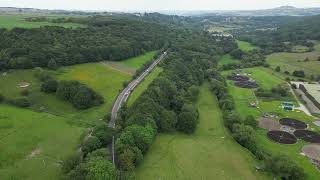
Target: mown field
(34,143)
(245,46)
(295,61)
(243,97)
(209,153)
(137,62)
(10,21)
(227,59)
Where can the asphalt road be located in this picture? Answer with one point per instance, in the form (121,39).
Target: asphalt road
(125,93)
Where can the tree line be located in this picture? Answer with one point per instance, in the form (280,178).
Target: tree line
(242,131)
(168,104)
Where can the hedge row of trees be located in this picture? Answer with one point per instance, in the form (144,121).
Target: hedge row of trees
(242,131)
(105,38)
(248,59)
(81,96)
(93,161)
(168,104)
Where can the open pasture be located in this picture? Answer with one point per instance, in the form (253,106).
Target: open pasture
(10,21)
(296,61)
(33,144)
(246,46)
(210,153)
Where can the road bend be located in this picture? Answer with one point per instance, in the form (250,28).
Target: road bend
(125,93)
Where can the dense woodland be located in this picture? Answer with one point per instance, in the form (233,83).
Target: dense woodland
(286,36)
(105,38)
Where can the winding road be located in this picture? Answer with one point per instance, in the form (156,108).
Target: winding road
(125,93)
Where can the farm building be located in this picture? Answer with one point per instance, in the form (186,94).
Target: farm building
(312,91)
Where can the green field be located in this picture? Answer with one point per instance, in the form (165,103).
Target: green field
(34,144)
(143,85)
(18,20)
(210,153)
(52,135)
(227,59)
(243,97)
(139,61)
(245,46)
(295,61)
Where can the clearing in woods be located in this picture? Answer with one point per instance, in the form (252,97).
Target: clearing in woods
(10,21)
(209,153)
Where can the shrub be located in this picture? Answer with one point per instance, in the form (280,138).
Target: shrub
(251,121)
(100,169)
(25,92)
(278,69)
(168,120)
(103,152)
(21,102)
(71,162)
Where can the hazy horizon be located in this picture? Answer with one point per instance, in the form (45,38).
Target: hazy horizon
(164,5)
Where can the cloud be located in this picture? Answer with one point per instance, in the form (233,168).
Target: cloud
(153,5)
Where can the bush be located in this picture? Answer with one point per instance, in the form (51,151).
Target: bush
(100,169)
(278,69)
(25,92)
(103,152)
(21,102)
(71,162)
(49,86)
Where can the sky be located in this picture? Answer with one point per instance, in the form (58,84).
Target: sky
(156,5)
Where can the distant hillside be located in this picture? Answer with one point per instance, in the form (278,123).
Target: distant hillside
(286,36)
(280,11)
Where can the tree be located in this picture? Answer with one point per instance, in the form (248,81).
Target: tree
(71,162)
(49,86)
(52,64)
(319,58)
(251,121)
(99,168)
(278,69)
(237,53)
(244,135)
(283,167)
(25,92)
(21,102)
(102,152)
(168,120)
(299,73)
(90,144)
(104,133)
(187,122)
(1,98)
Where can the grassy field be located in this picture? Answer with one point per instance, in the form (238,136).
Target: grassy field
(227,59)
(33,144)
(245,46)
(144,85)
(137,62)
(295,61)
(210,153)
(242,99)
(18,20)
